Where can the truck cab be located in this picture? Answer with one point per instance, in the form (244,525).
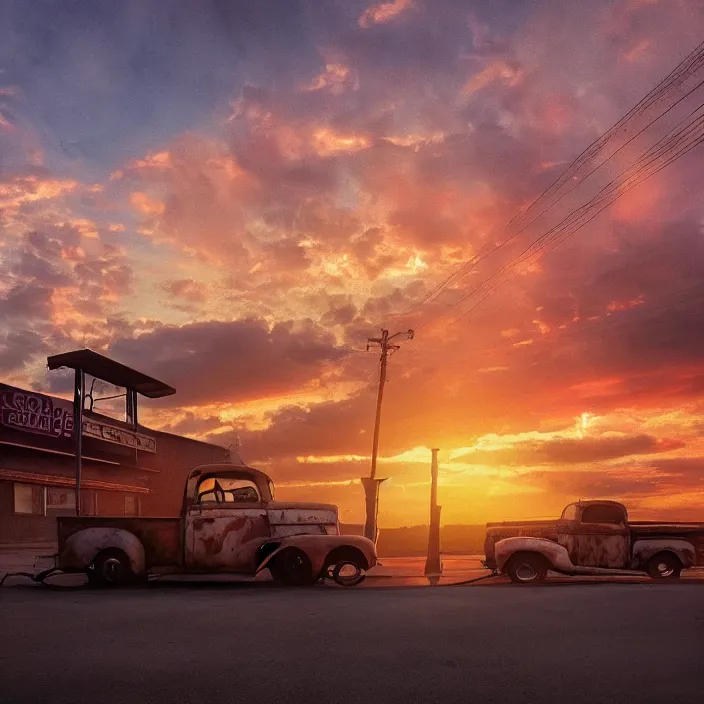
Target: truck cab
(231,518)
(596,534)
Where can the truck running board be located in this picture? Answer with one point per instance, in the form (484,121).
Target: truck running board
(606,571)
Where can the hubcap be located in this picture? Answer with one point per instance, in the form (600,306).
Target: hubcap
(295,563)
(112,569)
(664,570)
(526,572)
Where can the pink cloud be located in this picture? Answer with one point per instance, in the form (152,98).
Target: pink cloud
(383,13)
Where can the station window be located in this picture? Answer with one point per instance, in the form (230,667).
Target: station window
(63,498)
(29,500)
(89,502)
(131,506)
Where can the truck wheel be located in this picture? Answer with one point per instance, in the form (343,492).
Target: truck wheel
(527,568)
(664,565)
(110,568)
(293,568)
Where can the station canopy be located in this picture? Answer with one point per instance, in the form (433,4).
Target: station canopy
(101,367)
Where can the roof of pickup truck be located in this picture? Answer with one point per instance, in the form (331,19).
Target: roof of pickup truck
(225,467)
(591,502)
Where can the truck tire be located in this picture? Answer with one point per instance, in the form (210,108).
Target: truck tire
(664,565)
(293,568)
(527,568)
(110,568)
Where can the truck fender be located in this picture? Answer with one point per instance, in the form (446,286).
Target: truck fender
(82,547)
(318,547)
(555,554)
(644,549)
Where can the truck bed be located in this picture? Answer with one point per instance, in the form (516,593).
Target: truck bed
(693,532)
(161,537)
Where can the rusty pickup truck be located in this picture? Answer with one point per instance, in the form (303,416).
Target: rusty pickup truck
(229,523)
(591,538)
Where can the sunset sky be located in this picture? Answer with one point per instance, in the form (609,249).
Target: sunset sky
(233,195)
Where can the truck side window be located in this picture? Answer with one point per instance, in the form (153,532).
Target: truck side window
(602,514)
(227,490)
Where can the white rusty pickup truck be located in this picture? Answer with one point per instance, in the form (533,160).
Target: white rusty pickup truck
(592,538)
(229,523)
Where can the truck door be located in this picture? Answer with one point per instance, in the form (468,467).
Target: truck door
(225,526)
(601,537)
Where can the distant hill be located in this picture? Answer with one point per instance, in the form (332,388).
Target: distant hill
(413,540)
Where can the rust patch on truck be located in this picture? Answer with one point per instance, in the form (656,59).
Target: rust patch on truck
(246,527)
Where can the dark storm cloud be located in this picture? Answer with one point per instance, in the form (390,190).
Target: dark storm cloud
(214,362)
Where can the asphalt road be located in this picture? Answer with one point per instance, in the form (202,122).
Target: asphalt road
(581,643)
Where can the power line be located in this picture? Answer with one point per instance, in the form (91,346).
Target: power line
(692,135)
(688,67)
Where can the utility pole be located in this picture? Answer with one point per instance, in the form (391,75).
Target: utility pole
(433,563)
(371,483)
(79,394)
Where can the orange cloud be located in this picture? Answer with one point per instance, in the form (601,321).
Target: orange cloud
(87,228)
(497,70)
(416,141)
(328,143)
(383,13)
(29,189)
(336,77)
(5,123)
(641,203)
(637,50)
(147,205)
(625,305)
